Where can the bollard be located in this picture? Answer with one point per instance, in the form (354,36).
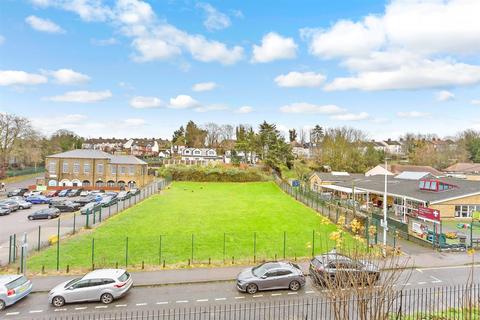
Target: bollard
(68,268)
(233,259)
(164,263)
(188,261)
(43,269)
(116,265)
(209,260)
(143,264)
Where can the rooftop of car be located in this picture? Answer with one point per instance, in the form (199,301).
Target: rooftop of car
(4,279)
(104,273)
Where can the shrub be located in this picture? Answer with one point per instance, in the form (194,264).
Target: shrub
(213,173)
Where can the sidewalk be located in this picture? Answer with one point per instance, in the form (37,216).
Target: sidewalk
(219,274)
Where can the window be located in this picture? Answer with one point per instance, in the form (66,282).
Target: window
(466,211)
(123,170)
(433,185)
(81,284)
(197,152)
(65,167)
(100,168)
(95,282)
(76,167)
(281,273)
(211,153)
(113,169)
(187,151)
(131,170)
(86,168)
(52,167)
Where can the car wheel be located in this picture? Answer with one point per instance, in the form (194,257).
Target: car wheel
(30,218)
(294,285)
(58,301)
(49,217)
(21,208)
(252,288)
(106,298)
(2,305)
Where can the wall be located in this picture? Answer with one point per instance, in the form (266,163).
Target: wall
(447,208)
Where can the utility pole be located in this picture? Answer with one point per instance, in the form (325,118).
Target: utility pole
(385,207)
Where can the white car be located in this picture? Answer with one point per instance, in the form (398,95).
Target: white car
(32,193)
(84,193)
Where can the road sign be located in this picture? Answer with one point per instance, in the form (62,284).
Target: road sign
(429,214)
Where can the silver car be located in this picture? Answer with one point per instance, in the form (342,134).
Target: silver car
(22,204)
(271,276)
(103,285)
(12,289)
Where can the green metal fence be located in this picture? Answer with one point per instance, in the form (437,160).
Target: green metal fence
(25,171)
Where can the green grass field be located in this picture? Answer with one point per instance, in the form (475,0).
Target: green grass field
(227,220)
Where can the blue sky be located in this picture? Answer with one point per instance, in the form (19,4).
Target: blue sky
(128,68)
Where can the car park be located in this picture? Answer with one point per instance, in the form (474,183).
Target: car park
(104,285)
(271,276)
(84,193)
(66,206)
(74,193)
(4,210)
(134,191)
(52,193)
(88,199)
(48,213)
(337,269)
(32,193)
(12,289)
(38,200)
(123,195)
(17,192)
(11,204)
(22,204)
(111,194)
(64,192)
(108,201)
(90,207)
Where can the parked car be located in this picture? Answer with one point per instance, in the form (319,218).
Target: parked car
(88,199)
(66,206)
(123,195)
(103,285)
(90,207)
(111,194)
(12,289)
(108,201)
(11,204)
(64,192)
(134,191)
(16,198)
(17,192)
(22,204)
(270,276)
(38,200)
(52,193)
(32,193)
(341,270)
(74,193)
(84,193)
(48,213)
(4,210)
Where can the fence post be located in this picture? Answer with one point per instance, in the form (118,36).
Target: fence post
(10,250)
(39,233)
(254,247)
(313,243)
(93,253)
(126,252)
(160,251)
(87,218)
(224,246)
(58,244)
(74,221)
(284,244)
(94,215)
(100,215)
(192,248)
(14,248)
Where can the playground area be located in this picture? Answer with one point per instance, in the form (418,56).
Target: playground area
(467,231)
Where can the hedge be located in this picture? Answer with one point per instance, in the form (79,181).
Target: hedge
(213,173)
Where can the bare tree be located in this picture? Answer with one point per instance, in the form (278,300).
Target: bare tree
(213,134)
(227,132)
(12,129)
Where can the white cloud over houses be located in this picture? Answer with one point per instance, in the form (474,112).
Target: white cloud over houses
(67,76)
(296,79)
(244,110)
(134,122)
(309,108)
(351,116)
(183,101)
(20,78)
(475,101)
(204,86)
(444,95)
(214,19)
(405,47)
(140,102)
(82,96)
(412,114)
(43,25)
(274,47)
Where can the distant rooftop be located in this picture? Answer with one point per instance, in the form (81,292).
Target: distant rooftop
(97,154)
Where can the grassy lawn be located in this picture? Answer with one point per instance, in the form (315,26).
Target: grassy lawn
(226,220)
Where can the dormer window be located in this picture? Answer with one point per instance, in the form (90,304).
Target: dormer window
(211,153)
(197,152)
(434,185)
(187,151)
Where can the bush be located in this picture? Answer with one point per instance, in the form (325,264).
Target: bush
(212,173)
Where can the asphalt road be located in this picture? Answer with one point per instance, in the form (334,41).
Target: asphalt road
(211,294)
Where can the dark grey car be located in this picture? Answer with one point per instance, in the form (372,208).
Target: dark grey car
(271,276)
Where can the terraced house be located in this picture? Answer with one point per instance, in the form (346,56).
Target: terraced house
(94,169)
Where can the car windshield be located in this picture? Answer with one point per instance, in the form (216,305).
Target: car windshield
(16,283)
(124,277)
(69,283)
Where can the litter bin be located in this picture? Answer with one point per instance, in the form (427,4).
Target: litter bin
(462,239)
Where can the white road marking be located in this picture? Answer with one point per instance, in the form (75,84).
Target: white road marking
(421,282)
(57,310)
(101,307)
(182,301)
(13,313)
(81,308)
(35,311)
(452,267)
(239,298)
(290,293)
(309,292)
(407,284)
(162,302)
(202,300)
(220,299)
(142,304)
(258,296)
(436,280)
(120,305)
(419,270)
(276,294)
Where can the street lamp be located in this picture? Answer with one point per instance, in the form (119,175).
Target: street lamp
(385,216)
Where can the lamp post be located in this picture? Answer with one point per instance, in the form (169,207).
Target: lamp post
(385,216)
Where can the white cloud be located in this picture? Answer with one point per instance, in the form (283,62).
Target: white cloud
(215,20)
(300,79)
(2,39)
(16,77)
(145,102)
(244,109)
(183,101)
(412,114)
(475,101)
(351,116)
(88,10)
(303,107)
(417,74)
(204,86)
(53,123)
(104,42)
(444,95)
(82,96)
(212,107)
(43,25)
(134,122)
(68,76)
(274,47)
